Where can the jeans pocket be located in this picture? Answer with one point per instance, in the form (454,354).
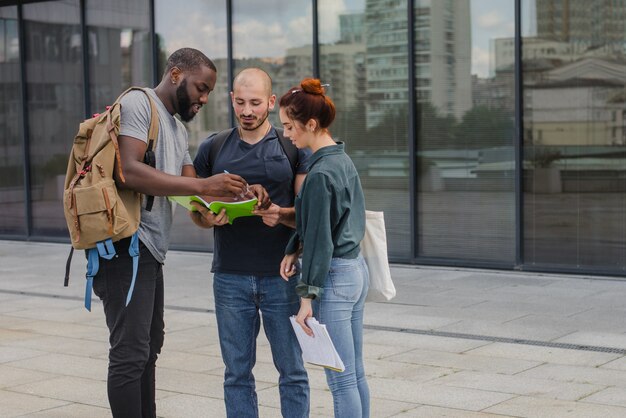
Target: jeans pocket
(344,284)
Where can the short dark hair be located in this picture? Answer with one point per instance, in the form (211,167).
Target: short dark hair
(188,59)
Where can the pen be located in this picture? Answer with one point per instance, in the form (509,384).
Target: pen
(243,195)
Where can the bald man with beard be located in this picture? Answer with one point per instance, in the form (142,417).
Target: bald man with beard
(247,284)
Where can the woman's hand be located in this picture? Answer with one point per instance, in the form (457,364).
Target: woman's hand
(305,312)
(271,215)
(288,266)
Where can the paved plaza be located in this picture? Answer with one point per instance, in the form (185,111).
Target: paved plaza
(453,343)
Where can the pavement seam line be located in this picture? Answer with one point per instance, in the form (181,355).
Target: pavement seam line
(433,333)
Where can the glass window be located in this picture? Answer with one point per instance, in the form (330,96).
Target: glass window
(12,208)
(277,37)
(118,36)
(465,144)
(575,162)
(55,104)
(363,57)
(205,30)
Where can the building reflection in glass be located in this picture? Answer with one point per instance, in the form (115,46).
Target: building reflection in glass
(54,85)
(13,219)
(205,30)
(574,138)
(465,159)
(573,116)
(120,54)
(277,37)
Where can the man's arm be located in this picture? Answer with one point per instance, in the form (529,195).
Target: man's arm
(147,180)
(188,171)
(275,215)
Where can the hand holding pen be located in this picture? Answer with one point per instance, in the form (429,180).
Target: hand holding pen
(258,191)
(244,193)
(224,185)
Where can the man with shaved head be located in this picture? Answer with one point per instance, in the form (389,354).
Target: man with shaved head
(247,253)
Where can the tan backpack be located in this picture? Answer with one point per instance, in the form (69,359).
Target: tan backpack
(97,212)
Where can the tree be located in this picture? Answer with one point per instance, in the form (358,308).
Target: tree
(483,127)
(434,131)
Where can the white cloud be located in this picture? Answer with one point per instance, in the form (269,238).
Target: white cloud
(491,20)
(328,16)
(496,24)
(208,36)
(481,60)
(259,39)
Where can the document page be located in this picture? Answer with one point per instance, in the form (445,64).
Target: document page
(319,349)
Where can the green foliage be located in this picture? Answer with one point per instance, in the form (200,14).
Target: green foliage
(435,131)
(483,127)
(349,126)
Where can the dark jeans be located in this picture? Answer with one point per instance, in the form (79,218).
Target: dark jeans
(136,330)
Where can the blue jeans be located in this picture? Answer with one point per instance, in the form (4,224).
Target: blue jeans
(341,309)
(238,300)
(136,331)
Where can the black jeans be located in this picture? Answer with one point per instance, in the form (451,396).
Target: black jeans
(136,330)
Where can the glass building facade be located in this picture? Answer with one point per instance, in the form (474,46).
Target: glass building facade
(492,133)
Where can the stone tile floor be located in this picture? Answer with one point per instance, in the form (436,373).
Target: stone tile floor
(454,343)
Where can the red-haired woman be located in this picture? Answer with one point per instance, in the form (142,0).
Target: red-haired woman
(330,223)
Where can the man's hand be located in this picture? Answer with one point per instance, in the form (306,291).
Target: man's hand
(261,194)
(223,184)
(204,218)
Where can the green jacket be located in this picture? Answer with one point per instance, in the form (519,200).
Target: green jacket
(330,217)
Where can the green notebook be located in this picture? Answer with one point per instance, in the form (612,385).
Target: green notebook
(234,210)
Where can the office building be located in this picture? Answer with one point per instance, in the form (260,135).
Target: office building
(492,133)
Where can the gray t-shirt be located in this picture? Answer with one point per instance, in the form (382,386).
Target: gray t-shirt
(171,155)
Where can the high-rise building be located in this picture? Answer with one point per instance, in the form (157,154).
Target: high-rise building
(443,56)
(591,23)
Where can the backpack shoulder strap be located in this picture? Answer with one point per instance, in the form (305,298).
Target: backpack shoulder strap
(153,134)
(153,131)
(290,150)
(217,142)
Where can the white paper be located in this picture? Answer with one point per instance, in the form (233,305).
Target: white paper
(319,349)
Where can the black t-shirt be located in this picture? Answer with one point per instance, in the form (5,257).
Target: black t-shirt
(248,246)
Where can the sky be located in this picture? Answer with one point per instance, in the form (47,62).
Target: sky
(269,27)
(490,19)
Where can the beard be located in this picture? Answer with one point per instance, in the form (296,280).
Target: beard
(184,102)
(255,124)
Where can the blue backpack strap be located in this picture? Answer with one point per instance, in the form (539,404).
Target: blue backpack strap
(104,249)
(133,251)
(93,265)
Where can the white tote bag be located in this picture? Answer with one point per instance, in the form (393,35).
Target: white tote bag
(374,250)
